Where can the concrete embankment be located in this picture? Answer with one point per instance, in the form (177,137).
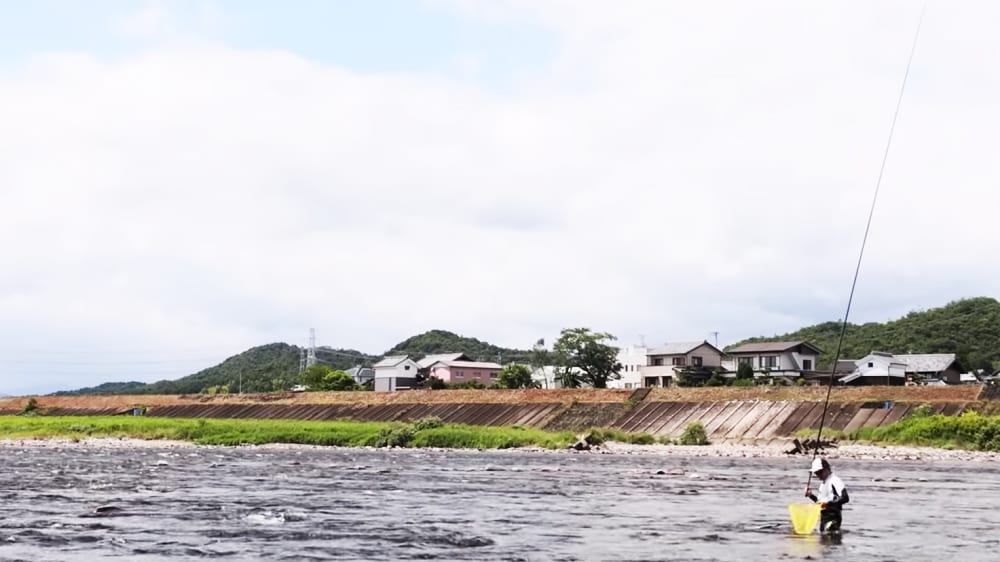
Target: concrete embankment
(757,414)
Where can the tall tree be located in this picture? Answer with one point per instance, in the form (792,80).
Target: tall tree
(583,351)
(516,375)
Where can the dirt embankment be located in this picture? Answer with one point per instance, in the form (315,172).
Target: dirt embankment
(914,394)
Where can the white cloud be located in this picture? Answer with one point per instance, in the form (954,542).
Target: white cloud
(153,20)
(683,168)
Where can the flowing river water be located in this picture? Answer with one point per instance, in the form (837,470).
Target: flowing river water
(74,503)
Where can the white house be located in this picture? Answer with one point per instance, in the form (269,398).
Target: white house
(781,358)
(664,362)
(396,372)
(877,368)
(632,359)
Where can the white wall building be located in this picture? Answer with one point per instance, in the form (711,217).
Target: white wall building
(632,359)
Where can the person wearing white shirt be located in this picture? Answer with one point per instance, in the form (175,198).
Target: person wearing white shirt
(831,496)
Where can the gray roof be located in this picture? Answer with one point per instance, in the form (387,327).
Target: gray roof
(770,347)
(391,361)
(846,365)
(431,359)
(927,362)
(676,348)
(469,364)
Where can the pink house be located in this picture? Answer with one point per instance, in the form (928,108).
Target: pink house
(457,367)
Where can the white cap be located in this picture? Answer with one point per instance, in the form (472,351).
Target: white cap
(817,465)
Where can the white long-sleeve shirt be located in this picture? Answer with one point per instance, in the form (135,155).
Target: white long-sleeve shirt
(832,492)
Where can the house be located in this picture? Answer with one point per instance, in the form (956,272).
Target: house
(454,368)
(780,358)
(877,368)
(362,375)
(664,363)
(932,366)
(396,372)
(632,359)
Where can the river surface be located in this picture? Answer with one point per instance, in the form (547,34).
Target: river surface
(76,503)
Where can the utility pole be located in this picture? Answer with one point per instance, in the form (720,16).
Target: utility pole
(716,334)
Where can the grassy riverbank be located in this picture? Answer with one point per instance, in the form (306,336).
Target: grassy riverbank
(422,433)
(971,430)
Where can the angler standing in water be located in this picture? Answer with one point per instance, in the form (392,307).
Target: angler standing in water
(832,496)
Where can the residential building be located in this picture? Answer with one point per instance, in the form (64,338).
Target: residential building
(454,369)
(877,368)
(932,367)
(665,362)
(396,372)
(782,358)
(632,359)
(362,375)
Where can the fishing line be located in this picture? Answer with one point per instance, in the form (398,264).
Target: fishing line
(864,240)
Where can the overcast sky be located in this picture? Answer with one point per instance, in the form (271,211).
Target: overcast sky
(181,180)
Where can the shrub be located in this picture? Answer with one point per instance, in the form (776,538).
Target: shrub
(395,435)
(694,434)
(30,406)
(429,422)
(742,382)
(922,411)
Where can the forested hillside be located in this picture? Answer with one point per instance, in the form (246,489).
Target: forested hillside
(275,366)
(969,328)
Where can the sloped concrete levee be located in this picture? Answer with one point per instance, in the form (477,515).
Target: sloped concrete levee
(753,414)
(763,420)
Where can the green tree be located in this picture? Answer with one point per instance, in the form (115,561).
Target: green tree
(516,376)
(339,380)
(744,371)
(314,375)
(581,349)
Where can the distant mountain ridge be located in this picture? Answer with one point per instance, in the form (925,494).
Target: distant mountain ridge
(969,328)
(275,366)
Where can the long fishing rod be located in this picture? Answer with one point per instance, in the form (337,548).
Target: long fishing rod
(864,240)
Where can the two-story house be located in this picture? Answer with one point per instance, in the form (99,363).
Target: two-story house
(781,358)
(665,362)
(396,372)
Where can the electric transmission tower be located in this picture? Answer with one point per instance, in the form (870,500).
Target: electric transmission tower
(311,354)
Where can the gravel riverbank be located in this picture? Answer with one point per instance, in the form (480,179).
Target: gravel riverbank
(773,450)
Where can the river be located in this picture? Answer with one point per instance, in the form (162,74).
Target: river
(74,503)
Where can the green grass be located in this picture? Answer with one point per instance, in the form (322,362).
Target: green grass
(422,433)
(596,436)
(970,430)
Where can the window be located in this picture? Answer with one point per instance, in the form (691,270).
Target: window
(628,385)
(769,362)
(745,361)
(406,367)
(871,364)
(459,375)
(807,364)
(658,362)
(679,361)
(652,381)
(696,361)
(494,375)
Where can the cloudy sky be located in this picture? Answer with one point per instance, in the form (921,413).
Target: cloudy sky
(182,180)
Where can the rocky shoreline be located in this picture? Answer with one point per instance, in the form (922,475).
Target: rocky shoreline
(773,450)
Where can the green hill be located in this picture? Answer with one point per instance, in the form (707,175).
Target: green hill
(969,328)
(275,366)
(442,341)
